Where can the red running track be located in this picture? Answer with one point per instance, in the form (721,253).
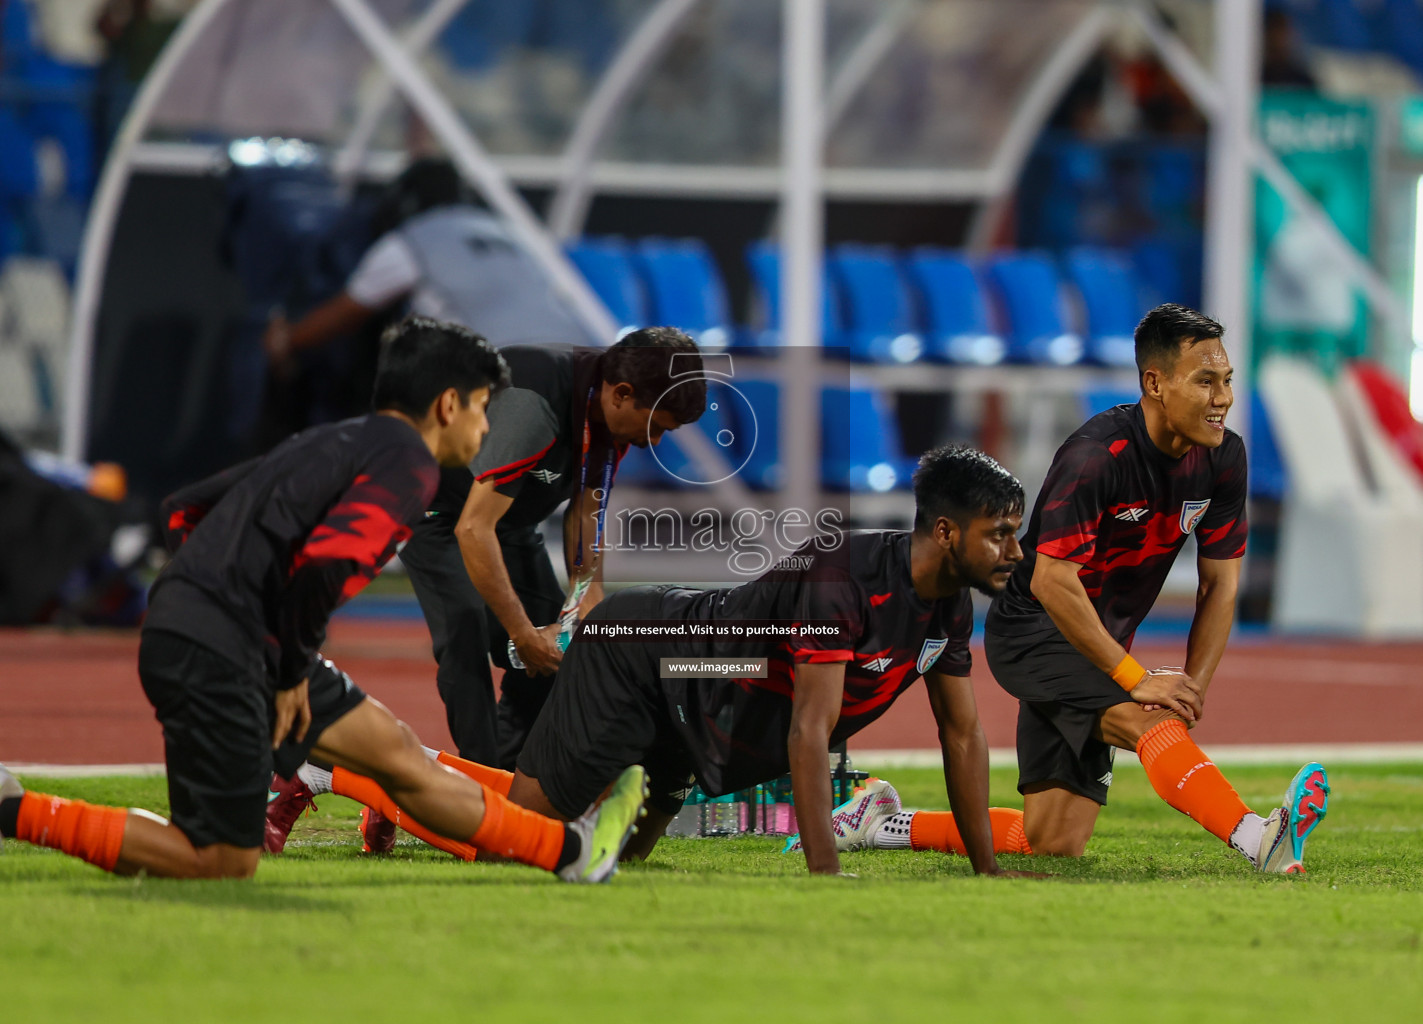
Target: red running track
(74,697)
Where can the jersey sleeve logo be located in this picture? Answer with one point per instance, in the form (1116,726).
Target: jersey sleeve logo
(1191,513)
(929,653)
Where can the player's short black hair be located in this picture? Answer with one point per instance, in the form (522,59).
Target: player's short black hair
(1161,331)
(962,483)
(421,357)
(654,359)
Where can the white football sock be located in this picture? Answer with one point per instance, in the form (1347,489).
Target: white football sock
(894,833)
(318,780)
(1247,835)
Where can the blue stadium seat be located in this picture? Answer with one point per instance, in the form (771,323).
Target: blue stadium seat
(61,96)
(1168,270)
(1336,24)
(1027,286)
(764,261)
(756,443)
(1268,476)
(484,29)
(1099,400)
(879,312)
(860,447)
(684,289)
(17,41)
(1398,29)
(957,325)
(19,176)
(1173,184)
(1109,292)
(607,264)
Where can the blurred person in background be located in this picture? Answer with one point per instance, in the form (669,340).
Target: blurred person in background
(1282,62)
(445,258)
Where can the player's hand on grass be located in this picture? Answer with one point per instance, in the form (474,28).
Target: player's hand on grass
(1169,689)
(538,650)
(293,708)
(824,863)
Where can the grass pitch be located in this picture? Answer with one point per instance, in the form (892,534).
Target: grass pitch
(1159,922)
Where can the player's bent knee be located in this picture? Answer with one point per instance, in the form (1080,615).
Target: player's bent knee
(223,861)
(1058,846)
(404,765)
(1124,725)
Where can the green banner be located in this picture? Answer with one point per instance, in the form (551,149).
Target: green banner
(1304,302)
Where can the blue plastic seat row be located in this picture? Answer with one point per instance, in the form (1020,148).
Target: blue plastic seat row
(43,98)
(1392,27)
(883,307)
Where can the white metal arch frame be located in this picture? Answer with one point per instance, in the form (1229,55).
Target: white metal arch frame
(375,103)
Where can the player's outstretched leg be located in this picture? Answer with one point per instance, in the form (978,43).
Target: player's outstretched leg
(937,830)
(115,839)
(874,819)
(1189,781)
(375,748)
(91,833)
(288,799)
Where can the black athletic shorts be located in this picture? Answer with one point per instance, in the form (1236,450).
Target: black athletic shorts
(1060,697)
(607,712)
(217,720)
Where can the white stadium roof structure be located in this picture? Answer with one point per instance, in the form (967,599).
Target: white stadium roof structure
(698,98)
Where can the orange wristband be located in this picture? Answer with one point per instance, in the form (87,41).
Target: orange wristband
(1128,673)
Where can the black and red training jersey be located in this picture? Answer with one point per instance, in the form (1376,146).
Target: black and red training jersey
(534,453)
(888,636)
(1122,508)
(266,550)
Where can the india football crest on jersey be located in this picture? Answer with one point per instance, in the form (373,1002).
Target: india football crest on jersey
(929,653)
(1191,512)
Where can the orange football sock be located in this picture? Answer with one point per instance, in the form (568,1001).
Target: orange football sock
(1189,781)
(936,830)
(495,778)
(368,792)
(519,834)
(86,831)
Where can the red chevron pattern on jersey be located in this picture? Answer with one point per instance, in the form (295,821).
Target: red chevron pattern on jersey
(271,547)
(1122,509)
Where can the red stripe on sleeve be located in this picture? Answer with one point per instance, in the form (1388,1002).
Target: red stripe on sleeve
(363,534)
(515,468)
(821,657)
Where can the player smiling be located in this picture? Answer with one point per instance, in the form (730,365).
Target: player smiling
(1123,494)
